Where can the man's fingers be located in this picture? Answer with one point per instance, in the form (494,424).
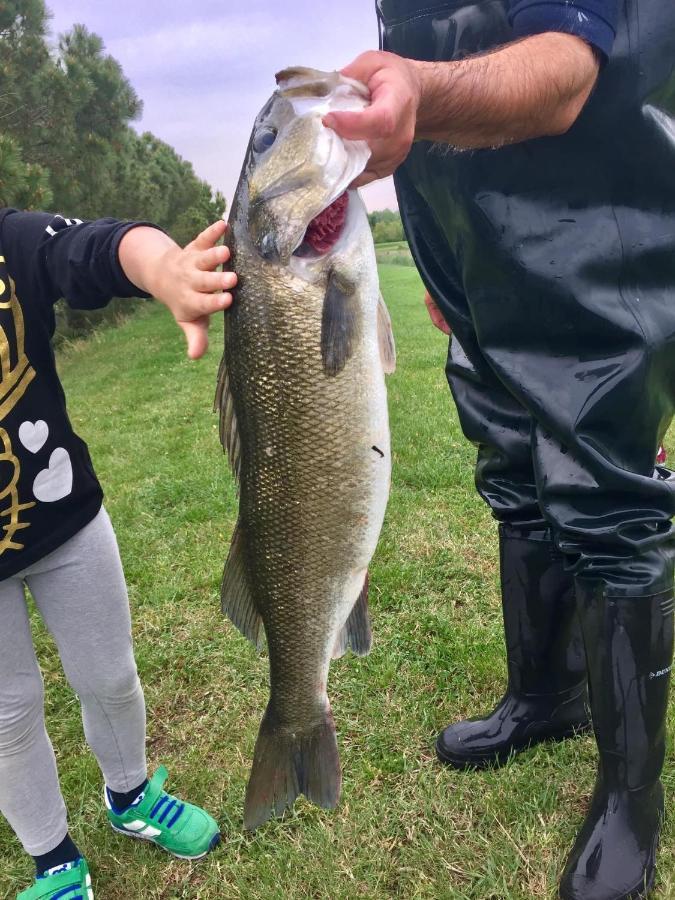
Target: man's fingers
(435,315)
(207,260)
(372,123)
(197,337)
(209,236)
(440,323)
(364,178)
(364,66)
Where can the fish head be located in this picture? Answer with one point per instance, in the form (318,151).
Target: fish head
(297,170)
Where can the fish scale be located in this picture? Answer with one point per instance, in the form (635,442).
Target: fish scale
(304,419)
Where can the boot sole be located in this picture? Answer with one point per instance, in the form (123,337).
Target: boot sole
(639,893)
(496,760)
(643,890)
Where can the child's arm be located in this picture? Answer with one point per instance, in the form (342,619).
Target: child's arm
(51,257)
(183,280)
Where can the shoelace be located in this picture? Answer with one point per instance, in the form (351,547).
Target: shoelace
(165,805)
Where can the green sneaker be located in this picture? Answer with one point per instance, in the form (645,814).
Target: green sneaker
(179,828)
(72,882)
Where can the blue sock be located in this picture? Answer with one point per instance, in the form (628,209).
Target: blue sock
(66,852)
(121,802)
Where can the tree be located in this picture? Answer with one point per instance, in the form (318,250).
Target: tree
(23,185)
(101,104)
(67,140)
(29,80)
(386,226)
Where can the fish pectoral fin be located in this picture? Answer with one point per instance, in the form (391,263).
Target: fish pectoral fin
(385,338)
(235,594)
(338,325)
(287,763)
(229,430)
(356,633)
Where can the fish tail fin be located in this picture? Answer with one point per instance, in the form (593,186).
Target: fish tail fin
(286,764)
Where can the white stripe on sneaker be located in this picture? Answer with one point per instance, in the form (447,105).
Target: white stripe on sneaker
(137,825)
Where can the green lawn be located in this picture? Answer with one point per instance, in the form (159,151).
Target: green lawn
(406,828)
(395,253)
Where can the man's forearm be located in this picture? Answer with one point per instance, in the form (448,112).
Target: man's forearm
(531,88)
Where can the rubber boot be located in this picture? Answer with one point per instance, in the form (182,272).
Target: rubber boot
(546,697)
(629,646)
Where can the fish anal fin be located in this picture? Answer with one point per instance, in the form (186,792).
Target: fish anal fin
(287,763)
(356,633)
(235,594)
(385,338)
(338,325)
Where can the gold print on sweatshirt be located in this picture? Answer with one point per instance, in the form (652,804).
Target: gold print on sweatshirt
(9,496)
(16,373)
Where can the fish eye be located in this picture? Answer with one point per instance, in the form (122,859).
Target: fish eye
(263,139)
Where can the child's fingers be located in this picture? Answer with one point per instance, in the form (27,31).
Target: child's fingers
(207,260)
(208,282)
(209,236)
(197,336)
(207,304)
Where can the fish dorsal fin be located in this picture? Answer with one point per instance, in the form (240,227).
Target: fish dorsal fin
(338,325)
(316,83)
(236,597)
(309,89)
(356,632)
(229,432)
(314,92)
(385,338)
(295,74)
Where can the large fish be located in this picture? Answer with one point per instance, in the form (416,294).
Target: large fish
(303,412)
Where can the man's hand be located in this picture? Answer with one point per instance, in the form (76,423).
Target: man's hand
(184,280)
(531,88)
(388,124)
(436,315)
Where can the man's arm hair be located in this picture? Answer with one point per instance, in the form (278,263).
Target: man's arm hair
(531,88)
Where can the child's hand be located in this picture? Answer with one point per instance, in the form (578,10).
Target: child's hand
(192,290)
(183,280)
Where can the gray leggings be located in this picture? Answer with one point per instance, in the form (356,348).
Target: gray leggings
(81,594)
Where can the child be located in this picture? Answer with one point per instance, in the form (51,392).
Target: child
(58,539)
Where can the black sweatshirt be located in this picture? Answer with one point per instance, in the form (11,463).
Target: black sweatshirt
(48,488)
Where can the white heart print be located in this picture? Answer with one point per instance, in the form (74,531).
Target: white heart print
(56,482)
(33,435)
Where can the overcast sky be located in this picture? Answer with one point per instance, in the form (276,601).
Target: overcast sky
(204,68)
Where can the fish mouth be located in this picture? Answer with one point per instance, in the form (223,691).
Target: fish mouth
(325,229)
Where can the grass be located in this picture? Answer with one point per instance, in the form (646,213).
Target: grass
(394,253)
(406,828)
